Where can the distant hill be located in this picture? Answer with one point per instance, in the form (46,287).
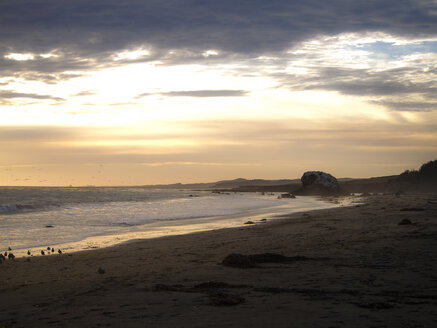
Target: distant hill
(376,184)
(253,183)
(422,180)
(227,184)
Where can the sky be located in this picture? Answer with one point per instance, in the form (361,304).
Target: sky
(137,92)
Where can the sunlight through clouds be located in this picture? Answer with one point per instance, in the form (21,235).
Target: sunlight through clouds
(20,57)
(131,55)
(225,85)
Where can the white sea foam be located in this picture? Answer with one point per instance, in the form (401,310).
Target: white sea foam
(74,217)
(71,222)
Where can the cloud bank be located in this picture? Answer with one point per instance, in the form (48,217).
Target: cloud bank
(224,82)
(198,93)
(52,42)
(73,35)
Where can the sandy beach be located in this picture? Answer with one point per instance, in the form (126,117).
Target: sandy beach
(344,267)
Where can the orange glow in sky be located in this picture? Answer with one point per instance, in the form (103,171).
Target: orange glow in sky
(152,111)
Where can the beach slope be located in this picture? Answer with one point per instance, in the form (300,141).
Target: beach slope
(353,266)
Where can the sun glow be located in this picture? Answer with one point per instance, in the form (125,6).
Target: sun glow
(29,56)
(132,55)
(210,53)
(20,57)
(247,115)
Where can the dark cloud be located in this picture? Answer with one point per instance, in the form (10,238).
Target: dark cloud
(206,93)
(86,34)
(395,84)
(408,106)
(365,82)
(6,94)
(198,93)
(48,70)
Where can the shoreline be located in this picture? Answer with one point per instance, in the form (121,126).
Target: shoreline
(176,227)
(361,269)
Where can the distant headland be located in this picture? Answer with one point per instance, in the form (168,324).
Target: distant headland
(422,180)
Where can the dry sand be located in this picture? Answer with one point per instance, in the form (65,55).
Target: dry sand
(362,270)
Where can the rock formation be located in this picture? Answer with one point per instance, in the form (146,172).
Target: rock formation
(318,183)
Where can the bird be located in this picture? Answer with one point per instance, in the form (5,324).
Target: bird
(11,256)
(5,254)
(42,252)
(28,252)
(59,251)
(48,248)
(9,249)
(2,257)
(53,250)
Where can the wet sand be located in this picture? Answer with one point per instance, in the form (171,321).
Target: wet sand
(164,228)
(359,268)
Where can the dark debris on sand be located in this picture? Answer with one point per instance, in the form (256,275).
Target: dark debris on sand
(222,299)
(405,222)
(252,261)
(239,261)
(275,258)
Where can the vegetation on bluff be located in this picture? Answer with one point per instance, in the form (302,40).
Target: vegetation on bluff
(426,173)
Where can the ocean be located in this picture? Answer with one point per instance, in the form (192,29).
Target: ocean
(74,219)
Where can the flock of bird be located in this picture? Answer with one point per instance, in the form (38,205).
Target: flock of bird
(10,256)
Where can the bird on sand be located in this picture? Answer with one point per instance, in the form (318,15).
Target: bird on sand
(28,252)
(48,248)
(2,257)
(59,251)
(9,249)
(42,252)
(11,256)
